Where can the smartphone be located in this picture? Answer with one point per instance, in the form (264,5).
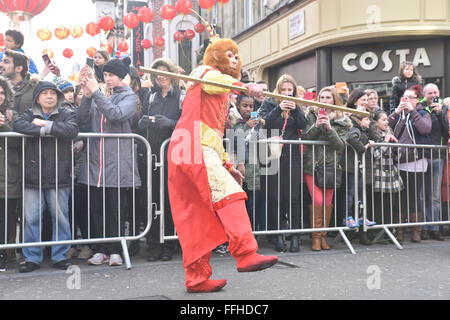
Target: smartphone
(254,115)
(341,87)
(90,62)
(46,59)
(436,100)
(404,99)
(323,112)
(308,96)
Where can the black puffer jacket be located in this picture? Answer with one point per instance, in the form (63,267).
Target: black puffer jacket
(399,87)
(63,126)
(270,112)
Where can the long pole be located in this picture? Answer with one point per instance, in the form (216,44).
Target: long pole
(243,89)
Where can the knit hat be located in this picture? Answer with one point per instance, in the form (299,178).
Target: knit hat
(44,85)
(63,84)
(118,67)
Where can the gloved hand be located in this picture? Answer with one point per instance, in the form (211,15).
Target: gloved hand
(145,122)
(163,122)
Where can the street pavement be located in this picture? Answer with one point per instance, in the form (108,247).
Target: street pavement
(381,271)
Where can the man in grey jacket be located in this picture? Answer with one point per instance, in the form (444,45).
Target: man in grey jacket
(108,157)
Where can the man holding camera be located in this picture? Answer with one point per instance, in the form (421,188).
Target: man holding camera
(433,177)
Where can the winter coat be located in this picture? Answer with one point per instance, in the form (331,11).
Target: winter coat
(270,112)
(439,132)
(336,137)
(242,130)
(386,176)
(64,128)
(411,128)
(23,94)
(357,139)
(399,87)
(109,115)
(14,166)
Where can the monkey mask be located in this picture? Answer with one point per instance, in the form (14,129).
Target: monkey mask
(223,54)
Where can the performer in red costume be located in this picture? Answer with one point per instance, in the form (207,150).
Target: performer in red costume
(207,201)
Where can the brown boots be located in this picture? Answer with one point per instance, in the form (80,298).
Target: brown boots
(319,239)
(416,231)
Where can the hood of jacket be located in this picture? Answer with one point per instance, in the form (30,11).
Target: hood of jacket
(171,67)
(44,85)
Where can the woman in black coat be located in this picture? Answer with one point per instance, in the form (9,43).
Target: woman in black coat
(283,186)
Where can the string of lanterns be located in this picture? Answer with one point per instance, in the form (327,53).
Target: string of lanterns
(130,20)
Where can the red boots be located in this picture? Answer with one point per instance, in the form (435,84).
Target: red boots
(255,262)
(207,286)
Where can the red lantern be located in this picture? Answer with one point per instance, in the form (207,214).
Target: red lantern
(178,36)
(199,28)
(2,40)
(22,10)
(168,12)
(107,47)
(146,44)
(206,4)
(48,52)
(123,46)
(44,34)
(222,2)
(106,23)
(183,7)
(91,51)
(131,20)
(159,42)
(92,29)
(145,15)
(189,34)
(68,53)
(62,33)
(76,31)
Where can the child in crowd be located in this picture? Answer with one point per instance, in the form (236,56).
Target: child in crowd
(406,78)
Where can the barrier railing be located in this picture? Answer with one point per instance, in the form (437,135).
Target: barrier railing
(110,161)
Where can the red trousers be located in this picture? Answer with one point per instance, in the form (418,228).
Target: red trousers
(236,224)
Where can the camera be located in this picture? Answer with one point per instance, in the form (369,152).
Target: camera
(436,100)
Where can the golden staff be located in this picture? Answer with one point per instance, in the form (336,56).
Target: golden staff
(242,89)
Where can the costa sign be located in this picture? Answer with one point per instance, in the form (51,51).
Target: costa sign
(370,60)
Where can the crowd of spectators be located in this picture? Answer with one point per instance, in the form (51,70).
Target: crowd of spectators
(93,187)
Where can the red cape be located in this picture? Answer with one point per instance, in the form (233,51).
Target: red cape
(198,227)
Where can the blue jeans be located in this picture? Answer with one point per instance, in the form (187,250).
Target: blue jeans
(33,225)
(351,189)
(433,183)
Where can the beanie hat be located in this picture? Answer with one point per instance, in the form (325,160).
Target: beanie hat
(44,85)
(118,67)
(63,84)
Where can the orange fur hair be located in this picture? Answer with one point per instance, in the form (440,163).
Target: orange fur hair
(221,46)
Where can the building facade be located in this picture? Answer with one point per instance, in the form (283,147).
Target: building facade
(360,42)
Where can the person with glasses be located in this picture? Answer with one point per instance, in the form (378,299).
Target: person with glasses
(411,124)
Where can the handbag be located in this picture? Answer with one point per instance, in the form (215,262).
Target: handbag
(276,149)
(328,177)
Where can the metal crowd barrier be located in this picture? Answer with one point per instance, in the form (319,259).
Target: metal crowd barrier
(361,192)
(134,232)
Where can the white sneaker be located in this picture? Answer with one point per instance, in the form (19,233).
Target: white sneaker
(115,260)
(98,259)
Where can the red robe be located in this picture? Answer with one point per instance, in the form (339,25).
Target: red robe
(198,227)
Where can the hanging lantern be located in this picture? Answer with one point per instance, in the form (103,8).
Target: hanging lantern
(178,36)
(92,29)
(146,44)
(68,53)
(222,2)
(123,46)
(22,10)
(76,31)
(44,34)
(107,47)
(131,20)
(189,34)
(91,51)
(48,52)
(106,23)
(199,28)
(62,33)
(206,4)
(2,40)
(168,12)
(183,7)
(159,41)
(145,15)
